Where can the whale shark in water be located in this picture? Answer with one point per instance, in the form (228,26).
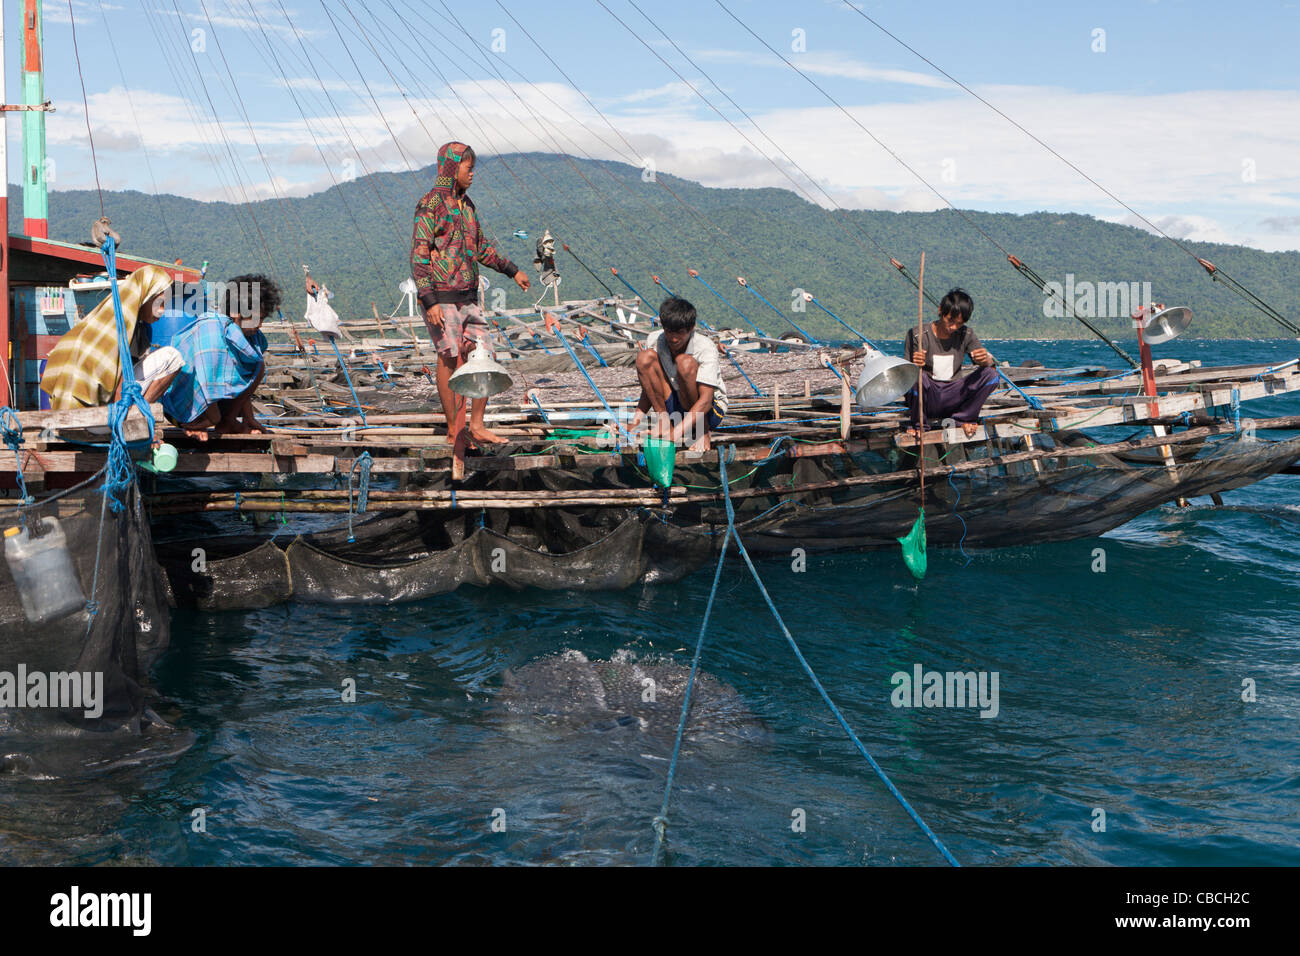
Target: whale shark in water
(567,691)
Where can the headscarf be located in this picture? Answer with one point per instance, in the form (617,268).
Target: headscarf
(449,160)
(84,366)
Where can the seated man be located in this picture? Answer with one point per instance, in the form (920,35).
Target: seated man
(940,354)
(681,378)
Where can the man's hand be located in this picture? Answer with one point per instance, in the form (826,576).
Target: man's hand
(521,280)
(433,316)
(918,357)
(982,357)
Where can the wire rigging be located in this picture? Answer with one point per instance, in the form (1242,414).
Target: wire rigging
(86,108)
(1215,272)
(135,119)
(919,178)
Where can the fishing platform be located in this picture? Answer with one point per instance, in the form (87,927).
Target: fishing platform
(795,432)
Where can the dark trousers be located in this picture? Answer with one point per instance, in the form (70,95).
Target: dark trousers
(959,399)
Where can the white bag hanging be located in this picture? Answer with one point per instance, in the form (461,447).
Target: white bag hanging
(320,314)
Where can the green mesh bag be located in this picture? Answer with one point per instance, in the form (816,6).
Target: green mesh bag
(914,546)
(660,456)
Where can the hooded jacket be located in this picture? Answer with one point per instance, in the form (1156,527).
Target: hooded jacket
(447,243)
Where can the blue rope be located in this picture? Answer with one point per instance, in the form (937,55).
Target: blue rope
(757,391)
(750,323)
(806,335)
(586,343)
(612,417)
(121,470)
(364,463)
(619,277)
(1033,402)
(545,417)
(916,818)
(660,822)
(538,339)
(959,518)
(1236,411)
(92,606)
(347,378)
(842,322)
(12,430)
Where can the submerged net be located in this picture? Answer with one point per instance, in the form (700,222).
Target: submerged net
(111,637)
(403,556)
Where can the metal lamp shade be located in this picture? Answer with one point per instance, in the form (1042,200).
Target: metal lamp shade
(885,379)
(480,376)
(1167,324)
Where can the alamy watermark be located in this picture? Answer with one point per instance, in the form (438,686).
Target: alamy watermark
(1094,300)
(922,688)
(59,690)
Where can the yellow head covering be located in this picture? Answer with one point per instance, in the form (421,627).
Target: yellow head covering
(84,366)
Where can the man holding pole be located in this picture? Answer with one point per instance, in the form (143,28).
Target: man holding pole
(940,350)
(446,247)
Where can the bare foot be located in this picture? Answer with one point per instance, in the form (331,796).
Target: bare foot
(969,428)
(483,436)
(913,433)
(257,428)
(703,443)
(198,434)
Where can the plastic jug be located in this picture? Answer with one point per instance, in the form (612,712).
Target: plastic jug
(42,568)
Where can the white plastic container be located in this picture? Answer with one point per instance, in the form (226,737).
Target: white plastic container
(42,568)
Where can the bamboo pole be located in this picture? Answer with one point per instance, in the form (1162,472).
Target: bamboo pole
(920,382)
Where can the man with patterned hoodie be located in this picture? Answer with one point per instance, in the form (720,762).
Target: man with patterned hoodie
(446,248)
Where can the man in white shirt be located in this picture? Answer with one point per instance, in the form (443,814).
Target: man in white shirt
(681,378)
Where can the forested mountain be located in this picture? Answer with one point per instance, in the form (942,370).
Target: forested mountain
(355,236)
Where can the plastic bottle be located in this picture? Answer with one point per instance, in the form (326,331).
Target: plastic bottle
(42,568)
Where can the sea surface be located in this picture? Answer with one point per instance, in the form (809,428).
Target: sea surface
(1121,735)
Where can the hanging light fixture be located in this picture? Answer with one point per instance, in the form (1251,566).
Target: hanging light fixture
(481,376)
(885,379)
(1166,325)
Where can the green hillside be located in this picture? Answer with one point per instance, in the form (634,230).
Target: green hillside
(355,237)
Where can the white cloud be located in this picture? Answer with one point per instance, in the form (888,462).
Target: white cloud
(676,90)
(1214,165)
(83,10)
(828,64)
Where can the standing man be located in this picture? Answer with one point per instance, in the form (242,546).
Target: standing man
(446,247)
(940,353)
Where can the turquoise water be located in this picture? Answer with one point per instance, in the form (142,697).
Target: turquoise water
(1119,690)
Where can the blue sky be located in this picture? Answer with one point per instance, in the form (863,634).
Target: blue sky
(1190,111)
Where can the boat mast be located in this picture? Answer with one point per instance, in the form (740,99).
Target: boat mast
(35,197)
(6,398)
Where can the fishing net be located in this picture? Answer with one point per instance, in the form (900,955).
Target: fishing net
(115,629)
(401,556)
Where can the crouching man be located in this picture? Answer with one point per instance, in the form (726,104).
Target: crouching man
(945,345)
(681,379)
